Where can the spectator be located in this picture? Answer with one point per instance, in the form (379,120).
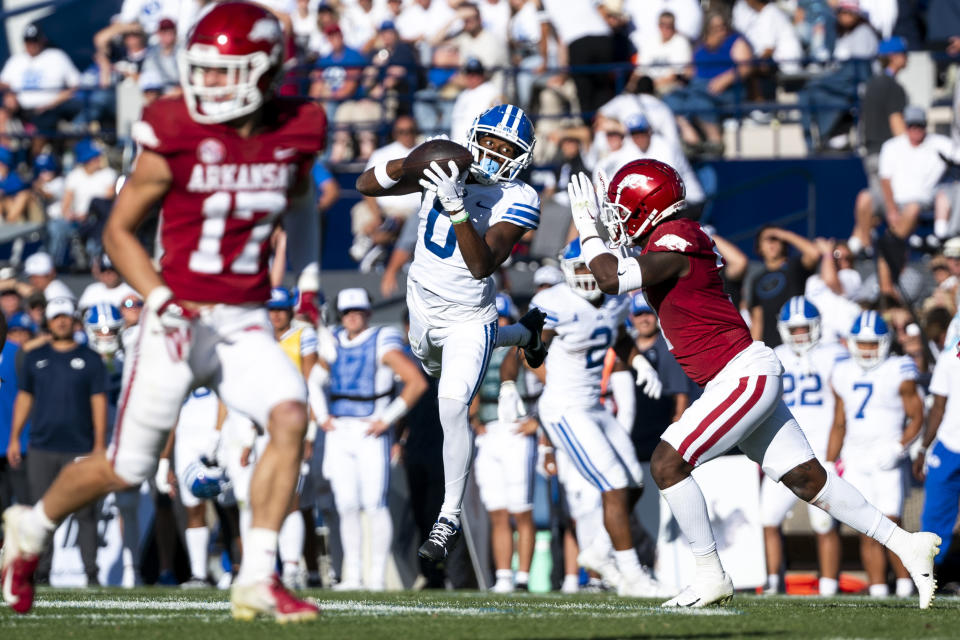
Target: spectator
(417,23)
(11,301)
(36,305)
(42,276)
(882,15)
(395,73)
(588,39)
(721,62)
(89,189)
(336,81)
(146,15)
(645,15)
(783,277)
(360,23)
(772,36)
(48,189)
(479,94)
(161,58)
(327,189)
(495,15)
(13,479)
(910,168)
(665,57)
(130,308)
(735,263)
(816,26)
(15,195)
(109,287)
(833,290)
(525,34)
(40,85)
(61,391)
(319,44)
(304,21)
(828,97)
(638,98)
(476,42)
(375,222)
(943,21)
(881,118)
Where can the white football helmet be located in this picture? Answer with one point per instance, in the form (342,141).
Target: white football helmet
(799,312)
(102,323)
(583,283)
(869,340)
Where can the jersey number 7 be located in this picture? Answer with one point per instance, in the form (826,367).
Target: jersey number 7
(217,210)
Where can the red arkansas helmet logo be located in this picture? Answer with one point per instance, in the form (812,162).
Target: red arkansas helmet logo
(211,151)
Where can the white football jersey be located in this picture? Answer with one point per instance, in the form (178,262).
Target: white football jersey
(584,333)
(872,403)
(439,271)
(806,389)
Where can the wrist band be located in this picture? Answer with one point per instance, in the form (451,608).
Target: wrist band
(457,217)
(395,410)
(629,276)
(383,179)
(592,247)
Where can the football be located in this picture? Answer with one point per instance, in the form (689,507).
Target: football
(439,151)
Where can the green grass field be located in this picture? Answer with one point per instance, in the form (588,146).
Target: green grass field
(169,613)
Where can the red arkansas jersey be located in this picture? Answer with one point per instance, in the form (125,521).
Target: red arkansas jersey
(227,195)
(704,329)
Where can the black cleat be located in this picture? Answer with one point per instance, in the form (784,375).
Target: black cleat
(442,539)
(535,351)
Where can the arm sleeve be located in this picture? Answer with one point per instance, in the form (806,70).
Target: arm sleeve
(308,341)
(908,369)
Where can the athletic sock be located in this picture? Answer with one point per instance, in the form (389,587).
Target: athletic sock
(457,455)
(351,541)
(381,537)
(828,587)
(259,556)
(773,583)
(904,587)
(290,539)
(513,335)
(36,529)
(879,591)
(522,577)
(841,500)
(198,540)
(690,510)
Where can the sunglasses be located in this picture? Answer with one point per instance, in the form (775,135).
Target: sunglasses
(132,304)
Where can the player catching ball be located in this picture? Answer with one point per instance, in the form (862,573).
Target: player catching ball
(474,210)
(678,267)
(225,161)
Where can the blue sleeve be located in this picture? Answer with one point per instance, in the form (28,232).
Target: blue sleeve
(320,174)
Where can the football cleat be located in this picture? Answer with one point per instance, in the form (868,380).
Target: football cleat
(535,351)
(593,559)
(918,560)
(18,568)
(270,598)
(643,585)
(442,539)
(704,592)
(195,583)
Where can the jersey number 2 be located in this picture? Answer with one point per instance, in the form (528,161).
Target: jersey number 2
(217,209)
(597,353)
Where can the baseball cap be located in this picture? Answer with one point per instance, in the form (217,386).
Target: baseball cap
(32,32)
(473,65)
(915,114)
(639,304)
(281,298)
(331,29)
(637,122)
(547,275)
(44,162)
(355,299)
(388,25)
(852,6)
(38,264)
(166,24)
(951,248)
(895,44)
(59,307)
(21,320)
(86,150)
(105,262)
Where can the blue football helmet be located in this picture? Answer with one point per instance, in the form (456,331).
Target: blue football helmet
(869,340)
(102,323)
(584,284)
(506,122)
(505,306)
(282,298)
(205,479)
(796,313)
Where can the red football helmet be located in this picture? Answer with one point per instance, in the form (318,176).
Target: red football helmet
(641,195)
(247,42)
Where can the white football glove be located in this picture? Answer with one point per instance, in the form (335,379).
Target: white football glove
(176,321)
(161,478)
(449,188)
(889,455)
(647,378)
(583,206)
(510,407)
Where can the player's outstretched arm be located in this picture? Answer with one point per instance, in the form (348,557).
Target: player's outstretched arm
(619,275)
(384,180)
(143,190)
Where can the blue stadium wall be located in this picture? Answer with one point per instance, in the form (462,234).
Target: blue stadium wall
(813,197)
(68,24)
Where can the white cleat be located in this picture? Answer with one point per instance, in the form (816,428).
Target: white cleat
(502,586)
(704,592)
(918,560)
(592,560)
(643,586)
(270,598)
